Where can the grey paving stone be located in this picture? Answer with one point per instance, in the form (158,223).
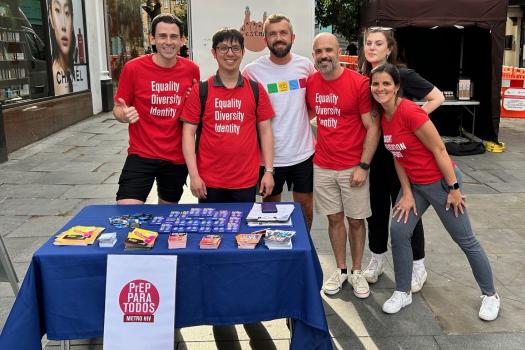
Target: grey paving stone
(467,178)
(42,158)
(73,178)
(121,136)
(91,191)
(8,223)
(518,174)
(111,166)
(20,177)
(40,226)
(5,306)
(275,329)
(517,163)
(22,249)
(495,241)
(37,206)
(501,341)
(508,269)
(106,149)
(22,165)
(102,158)
(508,175)
(33,191)
(84,139)
(57,346)
(67,166)
(457,309)
(84,202)
(105,129)
(484,176)
(56,148)
(386,343)
(113,179)
(22,153)
(235,345)
(509,187)
(346,314)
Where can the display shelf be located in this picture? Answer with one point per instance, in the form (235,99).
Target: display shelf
(14,68)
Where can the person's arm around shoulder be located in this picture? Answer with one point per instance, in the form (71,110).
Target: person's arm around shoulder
(434,98)
(371,125)
(429,136)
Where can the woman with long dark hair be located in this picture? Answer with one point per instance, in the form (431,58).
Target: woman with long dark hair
(428,177)
(380,47)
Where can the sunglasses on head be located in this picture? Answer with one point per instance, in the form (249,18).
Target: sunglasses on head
(379,29)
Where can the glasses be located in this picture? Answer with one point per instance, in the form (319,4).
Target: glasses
(224,49)
(379,29)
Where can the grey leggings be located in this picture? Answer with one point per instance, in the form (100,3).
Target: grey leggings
(458,228)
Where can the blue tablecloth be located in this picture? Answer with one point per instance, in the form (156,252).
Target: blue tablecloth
(64,289)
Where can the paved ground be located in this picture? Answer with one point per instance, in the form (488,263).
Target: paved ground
(43,185)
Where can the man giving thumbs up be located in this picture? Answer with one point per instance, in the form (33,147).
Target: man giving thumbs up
(150,97)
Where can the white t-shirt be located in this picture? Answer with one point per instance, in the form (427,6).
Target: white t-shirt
(286,86)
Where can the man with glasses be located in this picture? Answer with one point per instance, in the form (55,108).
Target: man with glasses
(284,76)
(347,138)
(149,97)
(225,167)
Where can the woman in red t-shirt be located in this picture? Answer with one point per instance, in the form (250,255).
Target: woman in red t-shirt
(428,177)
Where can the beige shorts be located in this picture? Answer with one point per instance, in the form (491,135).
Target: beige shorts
(333,194)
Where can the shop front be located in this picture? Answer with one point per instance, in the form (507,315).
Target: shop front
(45,81)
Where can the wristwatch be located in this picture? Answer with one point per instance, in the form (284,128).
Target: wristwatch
(269,170)
(454,186)
(364,166)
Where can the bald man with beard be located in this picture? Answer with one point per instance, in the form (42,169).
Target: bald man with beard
(347,138)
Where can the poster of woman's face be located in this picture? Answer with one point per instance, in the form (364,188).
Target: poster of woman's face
(66,33)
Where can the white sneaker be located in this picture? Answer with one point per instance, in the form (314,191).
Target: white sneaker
(419,277)
(374,269)
(360,285)
(489,307)
(397,301)
(334,284)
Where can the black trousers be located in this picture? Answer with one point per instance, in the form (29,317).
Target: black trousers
(223,195)
(384,188)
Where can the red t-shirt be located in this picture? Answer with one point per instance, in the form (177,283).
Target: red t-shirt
(158,95)
(228,155)
(338,105)
(400,139)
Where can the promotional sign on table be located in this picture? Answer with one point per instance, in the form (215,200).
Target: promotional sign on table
(140,302)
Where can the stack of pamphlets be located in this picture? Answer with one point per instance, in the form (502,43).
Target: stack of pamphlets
(177,240)
(278,239)
(210,242)
(78,235)
(256,217)
(107,240)
(140,239)
(248,240)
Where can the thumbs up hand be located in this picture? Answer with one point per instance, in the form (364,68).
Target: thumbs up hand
(126,114)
